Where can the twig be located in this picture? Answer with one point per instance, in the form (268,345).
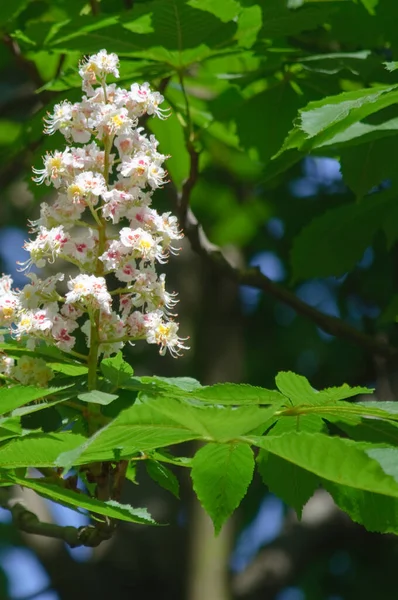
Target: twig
(28,522)
(94,7)
(26,64)
(189,183)
(254,278)
(60,65)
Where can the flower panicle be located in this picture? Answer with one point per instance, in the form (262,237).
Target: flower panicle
(108,178)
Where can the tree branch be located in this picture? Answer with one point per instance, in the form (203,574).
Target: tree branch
(28,522)
(25,64)
(254,278)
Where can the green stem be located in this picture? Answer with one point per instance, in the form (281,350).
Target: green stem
(98,272)
(93,355)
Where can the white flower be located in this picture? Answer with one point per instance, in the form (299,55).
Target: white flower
(62,328)
(86,185)
(142,244)
(9,306)
(95,68)
(90,291)
(60,119)
(165,335)
(36,321)
(90,187)
(32,371)
(47,245)
(6,365)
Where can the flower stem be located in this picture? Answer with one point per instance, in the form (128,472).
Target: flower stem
(93,355)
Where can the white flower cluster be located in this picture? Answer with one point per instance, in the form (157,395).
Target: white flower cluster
(109,179)
(28,370)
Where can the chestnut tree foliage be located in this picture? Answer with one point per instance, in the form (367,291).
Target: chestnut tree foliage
(250,87)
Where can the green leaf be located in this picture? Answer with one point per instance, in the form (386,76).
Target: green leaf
(58,360)
(116,370)
(187,384)
(334,459)
(391,66)
(226,10)
(110,508)
(165,456)
(374,511)
(370,5)
(9,428)
(156,422)
(249,24)
(18,395)
(10,10)
(139,428)
(220,424)
(361,133)
(37,449)
(72,370)
(375,431)
(173,386)
(169,31)
(311,423)
(291,483)
(98,397)
(322,120)
(389,315)
(338,250)
(163,476)
(170,135)
(366,166)
(280,21)
(299,390)
(221,474)
(131,472)
(263,121)
(237,394)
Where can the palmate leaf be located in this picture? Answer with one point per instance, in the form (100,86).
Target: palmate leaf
(157,421)
(169,31)
(136,429)
(110,508)
(221,474)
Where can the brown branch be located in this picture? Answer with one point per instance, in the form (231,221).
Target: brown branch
(28,522)
(254,278)
(94,7)
(26,64)
(189,183)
